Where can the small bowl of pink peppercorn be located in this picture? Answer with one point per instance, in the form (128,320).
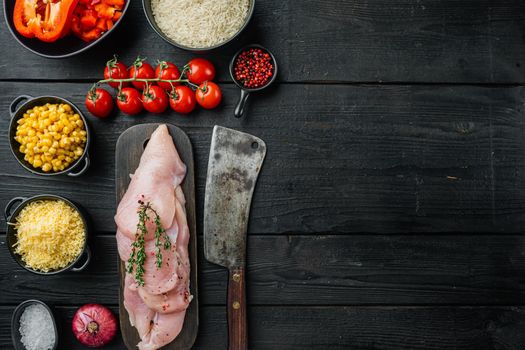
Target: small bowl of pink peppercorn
(252,68)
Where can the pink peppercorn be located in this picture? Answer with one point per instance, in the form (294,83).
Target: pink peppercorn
(253,68)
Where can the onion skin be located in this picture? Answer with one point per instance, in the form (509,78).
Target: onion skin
(94,325)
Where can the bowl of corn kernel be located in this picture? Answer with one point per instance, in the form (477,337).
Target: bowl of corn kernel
(49,135)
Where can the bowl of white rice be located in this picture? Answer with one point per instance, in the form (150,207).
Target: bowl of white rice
(198,25)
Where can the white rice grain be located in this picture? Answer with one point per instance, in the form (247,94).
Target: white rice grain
(200,23)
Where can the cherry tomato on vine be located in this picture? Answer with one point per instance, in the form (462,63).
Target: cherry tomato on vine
(182,100)
(155,99)
(167,71)
(99,102)
(116,70)
(200,70)
(142,70)
(128,101)
(208,95)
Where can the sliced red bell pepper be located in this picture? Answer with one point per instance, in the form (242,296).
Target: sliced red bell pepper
(105,11)
(88,20)
(48,21)
(101,24)
(94,17)
(23,13)
(117,15)
(115,3)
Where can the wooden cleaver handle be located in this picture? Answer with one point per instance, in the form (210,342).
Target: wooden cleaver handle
(237,325)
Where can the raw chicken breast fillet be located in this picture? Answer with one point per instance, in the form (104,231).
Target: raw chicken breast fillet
(157,309)
(160,171)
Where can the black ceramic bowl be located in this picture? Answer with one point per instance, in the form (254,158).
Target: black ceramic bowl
(15,323)
(65,47)
(28,102)
(11,212)
(146,4)
(245,92)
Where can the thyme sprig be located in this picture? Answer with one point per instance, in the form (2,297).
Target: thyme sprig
(138,251)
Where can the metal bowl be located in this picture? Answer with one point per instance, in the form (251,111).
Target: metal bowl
(11,213)
(18,112)
(65,47)
(146,4)
(15,323)
(245,92)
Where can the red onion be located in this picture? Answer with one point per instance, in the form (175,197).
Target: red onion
(94,325)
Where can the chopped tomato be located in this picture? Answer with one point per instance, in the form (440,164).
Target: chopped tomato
(46,20)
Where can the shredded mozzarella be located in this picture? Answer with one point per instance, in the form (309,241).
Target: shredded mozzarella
(50,235)
(200,23)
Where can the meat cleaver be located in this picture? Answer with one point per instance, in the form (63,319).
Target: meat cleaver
(234,164)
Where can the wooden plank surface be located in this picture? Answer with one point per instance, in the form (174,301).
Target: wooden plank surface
(319,270)
(381,328)
(468,41)
(390,209)
(348,159)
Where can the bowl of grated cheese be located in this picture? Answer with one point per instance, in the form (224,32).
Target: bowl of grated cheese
(47,234)
(198,25)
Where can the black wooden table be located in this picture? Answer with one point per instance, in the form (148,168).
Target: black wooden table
(390,209)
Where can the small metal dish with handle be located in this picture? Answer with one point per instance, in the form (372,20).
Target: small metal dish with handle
(16,337)
(17,109)
(11,212)
(245,92)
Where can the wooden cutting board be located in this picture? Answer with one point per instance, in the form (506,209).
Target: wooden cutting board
(130,146)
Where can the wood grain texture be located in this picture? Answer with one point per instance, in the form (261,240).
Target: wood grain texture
(347,159)
(129,149)
(328,328)
(330,40)
(236,310)
(317,270)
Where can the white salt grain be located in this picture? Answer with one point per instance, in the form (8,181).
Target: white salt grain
(36,328)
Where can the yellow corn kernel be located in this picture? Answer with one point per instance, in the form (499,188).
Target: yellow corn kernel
(46,167)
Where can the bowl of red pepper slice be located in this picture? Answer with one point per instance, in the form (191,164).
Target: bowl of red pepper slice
(62,28)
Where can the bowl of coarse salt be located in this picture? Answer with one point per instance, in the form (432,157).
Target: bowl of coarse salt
(201,25)
(33,327)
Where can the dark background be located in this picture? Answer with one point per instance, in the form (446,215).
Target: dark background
(389,211)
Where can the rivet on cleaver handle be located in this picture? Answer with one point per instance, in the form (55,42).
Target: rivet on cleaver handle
(233,167)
